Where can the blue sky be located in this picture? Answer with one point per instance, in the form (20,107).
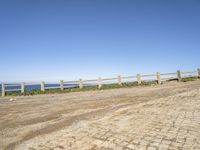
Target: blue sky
(60,39)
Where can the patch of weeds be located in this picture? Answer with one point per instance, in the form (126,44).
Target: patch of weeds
(92,88)
(186,79)
(149,83)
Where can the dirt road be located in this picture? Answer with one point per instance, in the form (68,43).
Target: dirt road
(140,118)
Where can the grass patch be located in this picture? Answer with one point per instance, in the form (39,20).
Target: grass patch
(149,83)
(186,79)
(92,88)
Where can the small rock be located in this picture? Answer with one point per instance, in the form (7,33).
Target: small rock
(12,99)
(151,148)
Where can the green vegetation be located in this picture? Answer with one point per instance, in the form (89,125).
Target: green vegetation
(186,79)
(85,88)
(92,88)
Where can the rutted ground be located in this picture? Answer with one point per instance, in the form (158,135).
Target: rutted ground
(158,117)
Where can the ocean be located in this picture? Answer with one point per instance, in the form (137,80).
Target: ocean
(33,87)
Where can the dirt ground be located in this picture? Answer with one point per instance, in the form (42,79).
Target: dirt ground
(139,118)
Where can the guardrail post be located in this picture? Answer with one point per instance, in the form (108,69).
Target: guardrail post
(120,80)
(158,78)
(42,86)
(80,83)
(99,83)
(139,79)
(61,85)
(179,75)
(198,70)
(3,90)
(22,87)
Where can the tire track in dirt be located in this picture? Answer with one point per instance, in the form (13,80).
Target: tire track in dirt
(64,123)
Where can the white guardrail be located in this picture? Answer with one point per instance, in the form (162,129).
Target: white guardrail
(159,77)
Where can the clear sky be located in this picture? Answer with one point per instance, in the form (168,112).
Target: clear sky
(60,39)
